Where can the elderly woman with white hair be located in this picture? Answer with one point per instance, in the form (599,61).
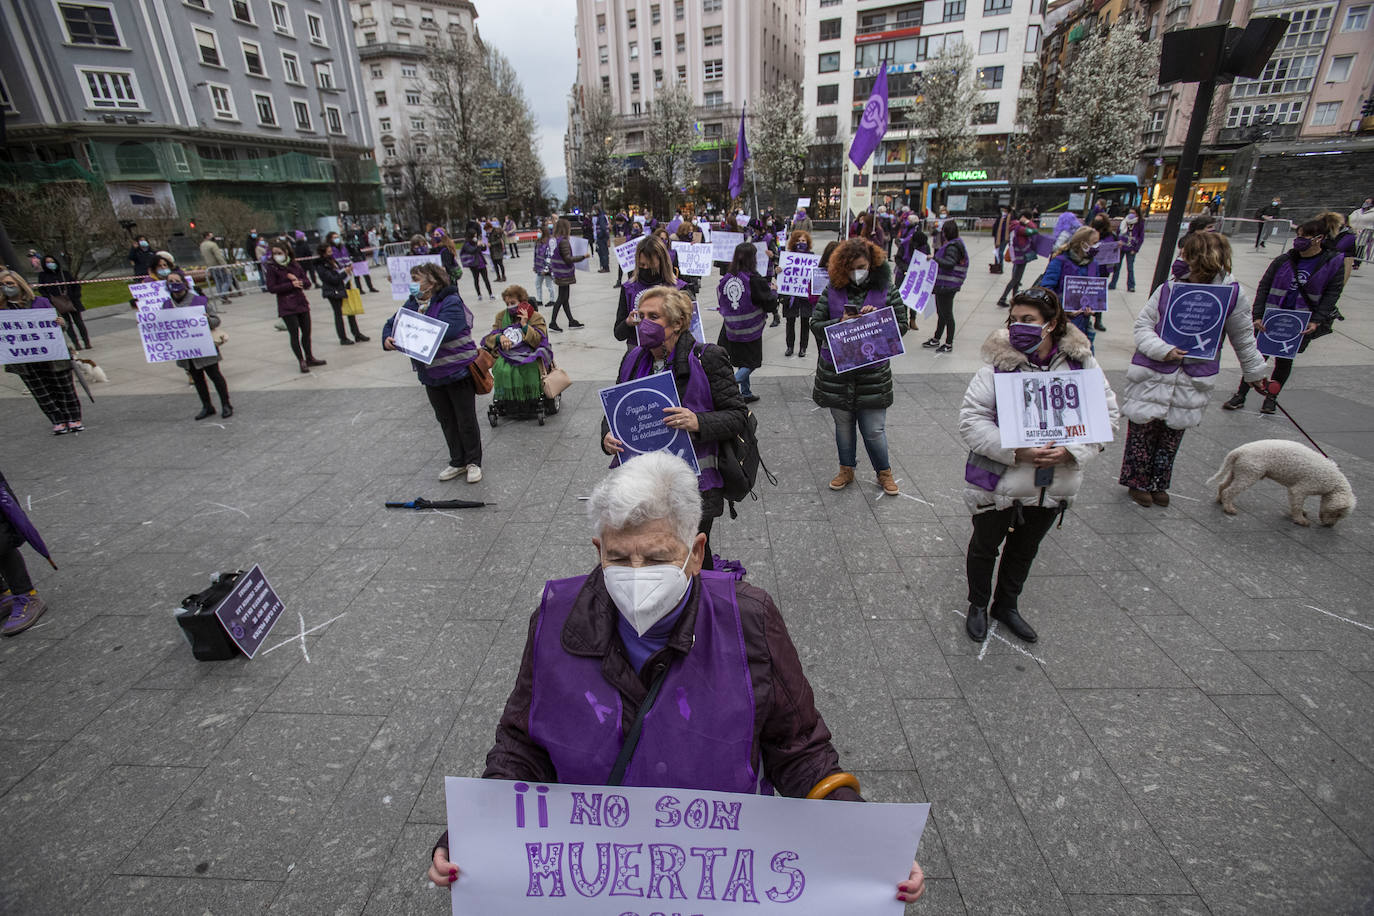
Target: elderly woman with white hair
(647,621)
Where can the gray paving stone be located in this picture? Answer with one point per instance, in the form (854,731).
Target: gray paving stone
(1210,665)
(19,758)
(1136,905)
(139,895)
(1327,694)
(910,660)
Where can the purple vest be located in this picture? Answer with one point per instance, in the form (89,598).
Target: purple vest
(561,265)
(341,257)
(696,396)
(1192,367)
(471,257)
(743,322)
(634,289)
(698,735)
(541,257)
(836,300)
(454,355)
(1301,289)
(951,277)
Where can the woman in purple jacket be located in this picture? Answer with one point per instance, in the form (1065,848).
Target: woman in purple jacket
(1131,236)
(286,278)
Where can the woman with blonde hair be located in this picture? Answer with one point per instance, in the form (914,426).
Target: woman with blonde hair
(1075,258)
(1167,391)
(50,382)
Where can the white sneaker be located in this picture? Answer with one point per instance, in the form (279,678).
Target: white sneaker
(474,473)
(451,472)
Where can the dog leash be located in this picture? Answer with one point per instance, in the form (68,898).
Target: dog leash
(1272,389)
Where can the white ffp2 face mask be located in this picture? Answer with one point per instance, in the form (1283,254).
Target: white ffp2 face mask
(860,276)
(645,595)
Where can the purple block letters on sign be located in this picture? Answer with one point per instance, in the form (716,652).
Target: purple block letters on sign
(30,336)
(249,611)
(794,272)
(863,341)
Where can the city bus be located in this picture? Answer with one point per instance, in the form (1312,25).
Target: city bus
(974,196)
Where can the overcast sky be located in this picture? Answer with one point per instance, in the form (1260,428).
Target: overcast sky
(537,36)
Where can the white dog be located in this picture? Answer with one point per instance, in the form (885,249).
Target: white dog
(89,370)
(1303,471)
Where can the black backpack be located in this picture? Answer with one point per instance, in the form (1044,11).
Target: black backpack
(738,461)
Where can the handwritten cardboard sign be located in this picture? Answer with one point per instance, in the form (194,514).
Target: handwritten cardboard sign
(527,849)
(693,259)
(723,245)
(150,294)
(1062,407)
(918,285)
(418,336)
(625,253)
(179,333)
(30,336)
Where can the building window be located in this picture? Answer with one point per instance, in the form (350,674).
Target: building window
(267,114)
(827,126)
(634,82)
(710,6)
(1272,113)
(389,149)
(417,125)
(603,54)
(655,16)
(241,11)
(678,10)
(302,112)
(714,131)
(713,36)
(680,43)
(90,24)
(1339,71)
(412,97)
(658,79)
(1306,28)
(1324,114)
(281,19)
(380,98)
(601,23)
(993,42)
(713,99)
(252,58)
(291,69)
(634,50)
(1033,39)
(985,113)
(222,100)
(377,71)
(208,47)
(990,77)
(605,85)
(1356,20)
(830,29)
(681,72)
(198,4)
(315,26)
(996,7)
(110,89)
(384,125)
(828,63)
(1281,76)
(631,19)
(954,11)
(369,38)
(427,19)
(658,47)
(714,69)
(636,109)
(409,71)
(324,76)
(828,94)
(334,118)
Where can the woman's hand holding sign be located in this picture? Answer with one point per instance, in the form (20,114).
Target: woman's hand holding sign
(1043,456)
(441,871)
(681,418)
(910,890)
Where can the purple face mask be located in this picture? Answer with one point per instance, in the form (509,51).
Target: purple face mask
(176,289)
(1025,337)
(1301,243)
(652,335)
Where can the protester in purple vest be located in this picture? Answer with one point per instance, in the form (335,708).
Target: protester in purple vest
(1165,392)
(286,278)
(201,367)
(447,379)
(543,269)
(1102,223)
(746,298)
(1074,260)
(712,410)
(653,267)
(20,606)
(1022,239)
(474,259)
(49,382)
(562,263)
(650,626)
(1307,278)
(1013,505)
(860,282)
(1340,238)
(952,261)
(797,309)
(912,238)
(1132,237)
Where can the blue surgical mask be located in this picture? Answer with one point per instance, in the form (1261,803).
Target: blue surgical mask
(163,272)
(414,289)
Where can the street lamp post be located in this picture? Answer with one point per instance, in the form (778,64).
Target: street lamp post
(328,134)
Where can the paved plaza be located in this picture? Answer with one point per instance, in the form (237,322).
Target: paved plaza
(1193,732)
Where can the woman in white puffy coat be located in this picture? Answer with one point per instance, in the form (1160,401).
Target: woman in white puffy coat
(1165,392)
(1008,502)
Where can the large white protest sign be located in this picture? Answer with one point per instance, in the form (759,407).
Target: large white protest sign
(400,268)
(179,333)
(794,272)
(919,283)
(1039,408)
(693,260)
(761,260)
(30,336)
(625,253)
(580,246)
(723,245)
(149,295)
(418,336)
(803,203)
(525,849)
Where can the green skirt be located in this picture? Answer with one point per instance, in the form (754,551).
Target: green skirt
(516,383)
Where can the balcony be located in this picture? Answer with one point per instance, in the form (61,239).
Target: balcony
(1251,133)
(390,49)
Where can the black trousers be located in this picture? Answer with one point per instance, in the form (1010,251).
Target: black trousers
(76,325)
(562,303)
(803,318)
(1014,284)
(298,329)
(14,575)
(198,377)
(1017,532)
(455,407)
(499,265)
(478,275)
(337,306)
(944,312)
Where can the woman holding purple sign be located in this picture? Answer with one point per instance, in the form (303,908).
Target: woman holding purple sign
(1166,391)
(745,298)
(49,382)
(860,283)
(1075,259)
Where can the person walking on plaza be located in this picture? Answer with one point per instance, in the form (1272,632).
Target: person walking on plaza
(1102,223)
(1341,239)
(473,257)
(860,282)
(911,238)
(1166,392)
(1001,236)
(797,309)
(952,262)
(1015,494)
(508,230)
(1131,236)
(712,410)
(20,605)
(200,368)
(562,262)
(603,241)
(745,298)
(544,289)
(64,292)
(286,279)
(1267,215)
(333,284)
(1308,277)
(358,255)
(496,249)
(1022,241)
(217,266)
(1362,221)
(653,267)
(141,256)
(1076,259)
(50,382)
(447,379)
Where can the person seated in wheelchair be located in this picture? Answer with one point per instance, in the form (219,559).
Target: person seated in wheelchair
(520,339)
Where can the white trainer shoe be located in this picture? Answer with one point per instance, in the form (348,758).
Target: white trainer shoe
(451,472)
(474,473)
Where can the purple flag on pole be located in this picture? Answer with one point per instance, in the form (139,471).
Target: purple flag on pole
(873,124)
(741,156)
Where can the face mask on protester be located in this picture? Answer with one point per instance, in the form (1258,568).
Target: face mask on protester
(652,335)
(281,259)
(648,275)
(1025,336)
(802,246)
(644,595)
(163,272)
(1301,243)
(860,276)
(10,291)
(50,265)
(415,289)
(143,244)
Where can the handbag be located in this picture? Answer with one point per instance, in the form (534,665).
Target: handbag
(480,370)
(353,302)
(555,381)
(64,305)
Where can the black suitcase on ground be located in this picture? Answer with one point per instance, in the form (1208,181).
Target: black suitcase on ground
(209,640)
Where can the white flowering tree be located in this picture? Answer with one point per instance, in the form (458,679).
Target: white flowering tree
(779,140)
(944,112)
(671,133)
(602,165)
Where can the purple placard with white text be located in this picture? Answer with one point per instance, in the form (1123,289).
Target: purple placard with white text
(1043,244)
(865,340)
(634,412)
(1194,318)
(249,611)
(1108,253)
(532,849)
(1082,293)
(1283,332)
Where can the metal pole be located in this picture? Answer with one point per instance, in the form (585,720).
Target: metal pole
(1187,164)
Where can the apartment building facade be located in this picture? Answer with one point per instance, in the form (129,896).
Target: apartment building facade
(725,52)
(165,101)
(847,42)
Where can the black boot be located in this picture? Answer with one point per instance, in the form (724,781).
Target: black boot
(226,410)
(977,623)
(1015,623)
(205,411)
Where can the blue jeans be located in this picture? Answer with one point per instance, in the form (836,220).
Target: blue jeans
(871,425)
(742,377)
(541,281)
(1129,259)
(224,280)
